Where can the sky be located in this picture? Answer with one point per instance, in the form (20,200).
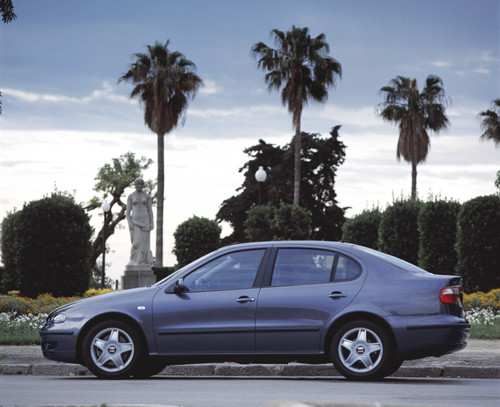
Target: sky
(64,114)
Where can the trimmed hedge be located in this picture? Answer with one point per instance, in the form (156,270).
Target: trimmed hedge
(437,224)
(398,231)
(362,229)
(478,243)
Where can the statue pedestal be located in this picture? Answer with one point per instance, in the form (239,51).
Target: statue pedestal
(137,275)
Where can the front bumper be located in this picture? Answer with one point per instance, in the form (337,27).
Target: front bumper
(59,345)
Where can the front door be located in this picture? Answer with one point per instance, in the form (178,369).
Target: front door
(217,312)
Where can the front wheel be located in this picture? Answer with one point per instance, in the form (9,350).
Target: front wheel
(112,350)
(361,350)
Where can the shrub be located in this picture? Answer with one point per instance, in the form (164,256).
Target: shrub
(194,238)
(292,222)
(43,304)
(398,231)
(362,229)
(51,247)
(480,300)
(437,225)
(258,225)
(478,243)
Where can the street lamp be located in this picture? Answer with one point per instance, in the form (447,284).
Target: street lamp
(105,209)
(260,176)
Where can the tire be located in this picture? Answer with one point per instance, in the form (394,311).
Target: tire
(112,350)
(361,350)
(149,367)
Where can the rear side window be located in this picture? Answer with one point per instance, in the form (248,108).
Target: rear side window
(302,266)
(346,269)
(312,266)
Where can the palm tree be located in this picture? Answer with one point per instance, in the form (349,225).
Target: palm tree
(490,123)
(416,112)
(164,81)
(300,66)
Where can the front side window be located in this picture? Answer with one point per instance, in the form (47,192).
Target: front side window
(231,271)
(302,266)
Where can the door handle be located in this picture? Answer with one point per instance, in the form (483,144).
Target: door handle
(244,299)
(336,295)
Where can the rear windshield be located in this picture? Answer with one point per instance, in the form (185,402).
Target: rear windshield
(394,261)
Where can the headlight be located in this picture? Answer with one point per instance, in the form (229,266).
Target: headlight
(59,318)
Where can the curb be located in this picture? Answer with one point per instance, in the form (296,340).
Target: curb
(255,370)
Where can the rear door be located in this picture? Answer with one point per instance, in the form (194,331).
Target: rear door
(307,287)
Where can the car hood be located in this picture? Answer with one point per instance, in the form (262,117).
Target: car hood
(117,300)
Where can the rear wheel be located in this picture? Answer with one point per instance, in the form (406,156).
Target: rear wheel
(112,350)
(361,350)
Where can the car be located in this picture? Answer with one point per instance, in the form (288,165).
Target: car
(269,302)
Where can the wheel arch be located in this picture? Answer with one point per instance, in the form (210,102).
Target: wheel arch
(357,316)
(104,317)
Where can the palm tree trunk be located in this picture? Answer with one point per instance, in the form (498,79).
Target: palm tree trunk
(160,199)
(298,162)
(413,181)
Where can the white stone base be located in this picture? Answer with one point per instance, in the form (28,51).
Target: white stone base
(137,275)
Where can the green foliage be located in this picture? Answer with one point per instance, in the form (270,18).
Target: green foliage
(478,243)
(258,224)
(398,232)
(194,238)
(321,158)
(52,239)
(437,224)
(497,181)
(362,229)
(9,245)
(292,222)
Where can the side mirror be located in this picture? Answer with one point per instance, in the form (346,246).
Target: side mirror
(179,286)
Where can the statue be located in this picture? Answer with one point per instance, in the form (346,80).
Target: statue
(140,221)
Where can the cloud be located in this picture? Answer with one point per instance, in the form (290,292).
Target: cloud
(210,88)
(106,93)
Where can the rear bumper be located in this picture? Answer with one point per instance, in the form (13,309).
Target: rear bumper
(422,337)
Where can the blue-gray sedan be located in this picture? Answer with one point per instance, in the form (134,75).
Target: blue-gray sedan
(269,302)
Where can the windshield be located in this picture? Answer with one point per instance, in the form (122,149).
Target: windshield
(394,260)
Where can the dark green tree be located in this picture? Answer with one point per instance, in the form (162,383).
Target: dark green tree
(322,157)
(478,243)
(301,68)
(194,238)
(437,225)
(164,81)
(416,113)
(398,230)
(362,229)
(54,247)
(490,123)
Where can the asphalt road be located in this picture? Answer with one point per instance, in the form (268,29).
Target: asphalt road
(248,392)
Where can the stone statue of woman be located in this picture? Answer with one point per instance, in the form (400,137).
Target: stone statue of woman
(140,222)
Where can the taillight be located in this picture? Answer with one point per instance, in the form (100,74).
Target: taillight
(451,295)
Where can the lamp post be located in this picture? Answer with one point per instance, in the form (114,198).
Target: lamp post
(260,176)
(105,209)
